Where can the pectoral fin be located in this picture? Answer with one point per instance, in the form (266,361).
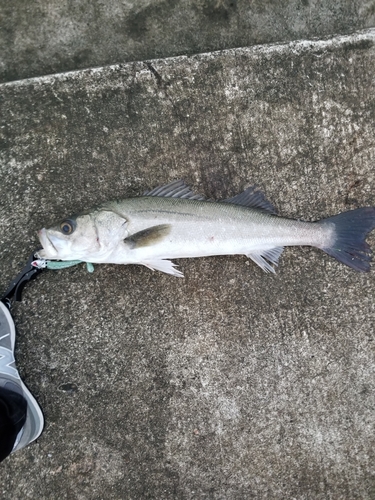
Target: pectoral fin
(149,236)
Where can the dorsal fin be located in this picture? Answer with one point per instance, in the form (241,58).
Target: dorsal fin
(176,189)
(253,199)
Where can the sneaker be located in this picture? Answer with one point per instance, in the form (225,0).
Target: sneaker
(10,379)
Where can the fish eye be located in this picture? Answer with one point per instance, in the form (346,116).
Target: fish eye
(67,227)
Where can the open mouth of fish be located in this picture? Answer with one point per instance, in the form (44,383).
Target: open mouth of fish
(49,249)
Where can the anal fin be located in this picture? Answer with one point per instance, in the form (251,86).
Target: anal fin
(264,258)
(165,266)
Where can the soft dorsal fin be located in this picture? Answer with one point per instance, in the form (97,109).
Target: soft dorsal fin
(253,199)
(176,189)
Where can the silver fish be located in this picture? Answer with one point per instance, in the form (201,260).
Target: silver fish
(171,222)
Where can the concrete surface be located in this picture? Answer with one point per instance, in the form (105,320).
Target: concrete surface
(50,36)
(231,383)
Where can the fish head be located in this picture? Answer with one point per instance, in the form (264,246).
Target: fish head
(90,236)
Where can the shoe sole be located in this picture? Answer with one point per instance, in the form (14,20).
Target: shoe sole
(34,417)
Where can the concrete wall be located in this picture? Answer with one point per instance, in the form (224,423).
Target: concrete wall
(50,36)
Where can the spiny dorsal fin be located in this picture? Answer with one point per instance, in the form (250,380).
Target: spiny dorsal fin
(253,199)
(176,189)
(148,236)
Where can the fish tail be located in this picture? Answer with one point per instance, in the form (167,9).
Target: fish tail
(349,243)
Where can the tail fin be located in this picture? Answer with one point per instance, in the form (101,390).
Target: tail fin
(351,229)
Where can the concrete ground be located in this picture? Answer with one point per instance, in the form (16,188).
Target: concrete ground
(230,383)
(51,36)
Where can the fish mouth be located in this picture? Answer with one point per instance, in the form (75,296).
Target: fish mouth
(49,249)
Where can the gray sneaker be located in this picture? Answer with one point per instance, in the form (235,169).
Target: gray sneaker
(10,379)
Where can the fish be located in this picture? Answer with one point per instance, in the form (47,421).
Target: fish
(172,222)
